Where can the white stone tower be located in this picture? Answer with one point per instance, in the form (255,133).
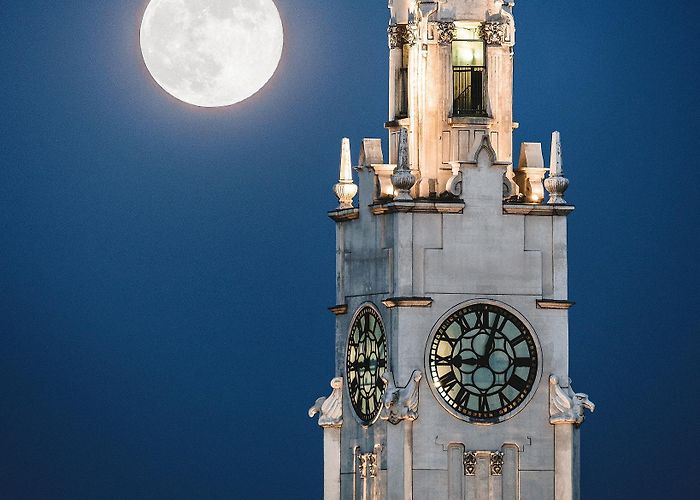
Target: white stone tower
(452,304)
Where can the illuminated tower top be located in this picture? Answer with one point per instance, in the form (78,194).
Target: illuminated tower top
(450,84)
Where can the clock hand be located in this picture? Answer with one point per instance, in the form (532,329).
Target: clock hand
(491,343)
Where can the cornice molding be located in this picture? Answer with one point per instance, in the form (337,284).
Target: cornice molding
(419,206)
(540,210)
(344,214)
(393,302)
(555,304)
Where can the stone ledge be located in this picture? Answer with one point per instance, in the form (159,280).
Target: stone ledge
(482,120)
(541,210)
(392,302)
(554,304)
(398,123)
(344,214)
(430,207)
(339,310)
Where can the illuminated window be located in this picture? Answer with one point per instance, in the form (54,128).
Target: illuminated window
(402,84)
(468,72)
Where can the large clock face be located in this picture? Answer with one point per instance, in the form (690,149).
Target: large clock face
(483,362)
(366,362)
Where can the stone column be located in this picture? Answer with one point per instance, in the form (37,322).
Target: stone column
(331,463)
(565,451)
(330,412)
(407,459)
(395,59)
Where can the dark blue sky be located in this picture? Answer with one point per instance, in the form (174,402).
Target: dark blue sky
(165,270)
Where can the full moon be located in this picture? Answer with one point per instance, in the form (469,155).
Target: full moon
(211,53)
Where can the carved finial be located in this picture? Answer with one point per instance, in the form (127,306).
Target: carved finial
(345,190)
(556,184)
(566,406)
(330,408)
(400,403)
(403,180)
(555,160)
(531,171)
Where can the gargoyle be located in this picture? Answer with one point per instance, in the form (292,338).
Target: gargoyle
(566,406)
(400,403)
(330,408)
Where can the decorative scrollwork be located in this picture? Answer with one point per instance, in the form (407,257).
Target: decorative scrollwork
(330,409)
(496,467)
(395,36)
(401,34)
(493,32)
(446,32)
(410,34)
(367,465)
(469,460)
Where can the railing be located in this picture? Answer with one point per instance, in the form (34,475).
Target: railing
(469,91)
(402,93)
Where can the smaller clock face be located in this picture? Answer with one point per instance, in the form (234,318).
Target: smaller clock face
(483,362)
(366,362)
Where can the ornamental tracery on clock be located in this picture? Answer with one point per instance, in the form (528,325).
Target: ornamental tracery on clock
(483,362)
(366,362)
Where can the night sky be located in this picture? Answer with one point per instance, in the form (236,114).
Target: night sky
(165,269)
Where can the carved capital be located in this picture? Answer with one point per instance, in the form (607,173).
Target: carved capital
(395,36)
(367,465)
(493,32)
(496,463)
(446,32)
(402,34)
(495,458)
(400,403)
(410,34)
(499,29)
(566,406)
(330,409)
(469,461)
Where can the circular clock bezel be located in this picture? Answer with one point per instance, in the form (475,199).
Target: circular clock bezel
(538,372)
(360,309)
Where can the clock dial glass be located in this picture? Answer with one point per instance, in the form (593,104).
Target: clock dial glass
(483,362)
(366,362)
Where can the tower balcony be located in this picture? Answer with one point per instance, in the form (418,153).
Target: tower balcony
(469,90)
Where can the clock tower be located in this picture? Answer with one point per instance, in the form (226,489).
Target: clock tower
(451,375)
